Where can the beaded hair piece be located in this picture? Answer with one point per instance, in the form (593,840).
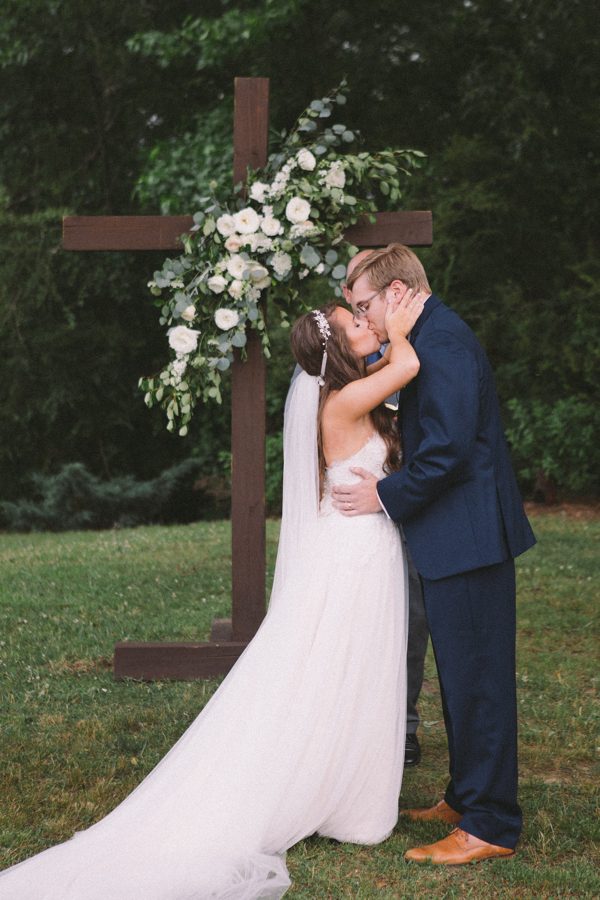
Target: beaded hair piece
(325,332)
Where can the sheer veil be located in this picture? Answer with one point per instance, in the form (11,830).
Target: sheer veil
(300,476)
(305,735)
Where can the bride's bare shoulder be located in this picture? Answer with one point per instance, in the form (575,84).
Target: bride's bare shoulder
(342,434)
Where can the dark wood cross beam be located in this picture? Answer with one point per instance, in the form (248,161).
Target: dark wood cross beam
(229,637)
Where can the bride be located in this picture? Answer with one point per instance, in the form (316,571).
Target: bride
(306,733)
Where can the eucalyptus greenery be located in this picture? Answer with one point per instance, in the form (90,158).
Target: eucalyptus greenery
(284,225)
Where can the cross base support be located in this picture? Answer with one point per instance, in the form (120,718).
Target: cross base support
(222,630)
(150,660)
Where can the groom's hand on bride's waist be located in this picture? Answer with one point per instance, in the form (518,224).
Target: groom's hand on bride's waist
(358,499)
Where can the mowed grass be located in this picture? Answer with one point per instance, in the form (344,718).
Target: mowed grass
(74,742)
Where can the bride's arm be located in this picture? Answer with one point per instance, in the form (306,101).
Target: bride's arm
(381,362)
(359,397)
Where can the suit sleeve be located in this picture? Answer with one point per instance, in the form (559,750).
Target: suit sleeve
(448,405)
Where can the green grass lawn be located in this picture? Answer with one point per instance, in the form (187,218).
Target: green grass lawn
(74,742)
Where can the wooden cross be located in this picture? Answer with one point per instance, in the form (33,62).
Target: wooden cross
(186,660)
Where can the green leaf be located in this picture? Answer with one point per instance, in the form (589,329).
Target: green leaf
(239,339)
(309,256)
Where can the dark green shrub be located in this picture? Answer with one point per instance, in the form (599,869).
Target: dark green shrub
(75,499)
(557,442)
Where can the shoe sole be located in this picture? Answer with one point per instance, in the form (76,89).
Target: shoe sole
(470,862)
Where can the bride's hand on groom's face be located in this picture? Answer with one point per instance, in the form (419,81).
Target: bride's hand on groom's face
(403,308)
(357,499)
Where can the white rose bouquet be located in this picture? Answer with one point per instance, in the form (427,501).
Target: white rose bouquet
(287,225)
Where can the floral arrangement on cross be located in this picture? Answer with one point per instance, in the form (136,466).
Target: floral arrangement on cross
(286,224)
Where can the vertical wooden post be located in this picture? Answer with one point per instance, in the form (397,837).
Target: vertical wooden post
(250,140)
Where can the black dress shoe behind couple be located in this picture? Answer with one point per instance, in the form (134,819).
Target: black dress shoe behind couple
(412,752)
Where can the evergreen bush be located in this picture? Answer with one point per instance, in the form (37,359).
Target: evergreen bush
(74,499)
(556,443)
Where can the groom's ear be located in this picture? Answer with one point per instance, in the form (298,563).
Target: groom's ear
(399,286)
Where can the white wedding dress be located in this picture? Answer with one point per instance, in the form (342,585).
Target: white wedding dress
(306,734)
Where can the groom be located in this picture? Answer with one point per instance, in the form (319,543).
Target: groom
(457,500)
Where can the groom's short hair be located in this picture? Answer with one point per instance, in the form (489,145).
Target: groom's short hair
(392,262)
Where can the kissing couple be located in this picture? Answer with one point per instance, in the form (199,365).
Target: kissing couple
(307,732)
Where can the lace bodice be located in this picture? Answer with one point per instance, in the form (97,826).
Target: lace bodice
(371,456)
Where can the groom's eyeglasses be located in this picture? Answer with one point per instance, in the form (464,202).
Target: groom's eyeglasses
(362,308)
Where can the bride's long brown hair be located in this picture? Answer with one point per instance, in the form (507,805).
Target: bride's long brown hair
(342,368)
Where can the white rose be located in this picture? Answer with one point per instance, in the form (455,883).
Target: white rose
(267,211)
(233,243)
(303,273)
(336,177)
(306,160)
(188,313)
(320,269)
(257,272)
(251,241)
(182,339)
(178,367)
(254,293)
(236,266)
(282,263)
(263,243)
(271,226)
(246,220)
(263,283)
(302,228)
(259,191)
(236,289)
(226,318)
(297,210)
(225,225)
(217,284)
(279,184)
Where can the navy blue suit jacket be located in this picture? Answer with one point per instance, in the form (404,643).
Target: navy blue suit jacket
(456,495)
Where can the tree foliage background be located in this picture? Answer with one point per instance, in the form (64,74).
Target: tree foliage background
(126,108)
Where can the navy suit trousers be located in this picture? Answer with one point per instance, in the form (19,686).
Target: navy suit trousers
(471,619)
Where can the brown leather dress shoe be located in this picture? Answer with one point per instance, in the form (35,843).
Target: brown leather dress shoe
(458,848)
(441,812)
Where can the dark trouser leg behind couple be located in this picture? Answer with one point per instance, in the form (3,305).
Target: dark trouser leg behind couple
(418,636)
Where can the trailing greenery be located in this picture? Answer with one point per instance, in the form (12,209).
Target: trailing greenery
(290,226)
(75,742)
